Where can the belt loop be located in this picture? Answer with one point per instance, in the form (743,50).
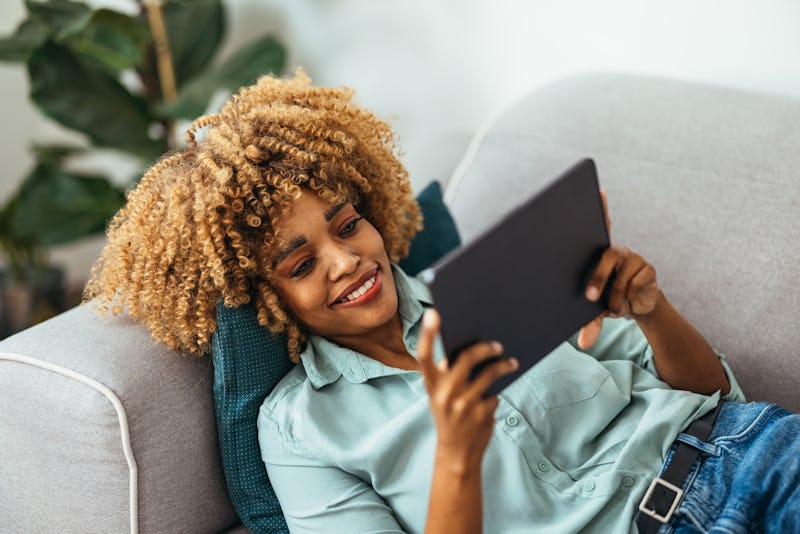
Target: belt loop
(666,491)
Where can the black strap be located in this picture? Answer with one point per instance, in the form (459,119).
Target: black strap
(662,498)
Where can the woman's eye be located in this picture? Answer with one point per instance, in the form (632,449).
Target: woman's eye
(350,227)
(302,268)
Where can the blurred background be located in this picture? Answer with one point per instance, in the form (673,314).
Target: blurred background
(436,69)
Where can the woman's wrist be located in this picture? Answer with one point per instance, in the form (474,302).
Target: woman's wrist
(457,463)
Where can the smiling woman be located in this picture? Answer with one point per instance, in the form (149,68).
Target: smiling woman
(227,218)
(295,200)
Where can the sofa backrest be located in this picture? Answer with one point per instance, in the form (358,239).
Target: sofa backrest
(703,181)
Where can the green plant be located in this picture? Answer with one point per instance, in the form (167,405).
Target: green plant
(122,80)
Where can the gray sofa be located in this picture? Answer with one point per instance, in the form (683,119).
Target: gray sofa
(102,430)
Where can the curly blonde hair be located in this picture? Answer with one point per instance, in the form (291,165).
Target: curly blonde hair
(199,227)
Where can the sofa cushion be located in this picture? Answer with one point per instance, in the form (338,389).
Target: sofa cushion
(249,362)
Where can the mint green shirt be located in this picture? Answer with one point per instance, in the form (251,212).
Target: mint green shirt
(349,442)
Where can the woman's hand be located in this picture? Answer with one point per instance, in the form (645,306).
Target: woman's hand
(464,419)
(634,291)
(463,415)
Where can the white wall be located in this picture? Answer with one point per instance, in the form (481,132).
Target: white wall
(445,65)
(442,66)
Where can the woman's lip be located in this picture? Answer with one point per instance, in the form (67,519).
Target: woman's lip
(368,295)
(356,285)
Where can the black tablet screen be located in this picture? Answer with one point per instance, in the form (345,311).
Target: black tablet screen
(522,282)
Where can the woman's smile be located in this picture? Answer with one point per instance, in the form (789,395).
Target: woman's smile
(363,293)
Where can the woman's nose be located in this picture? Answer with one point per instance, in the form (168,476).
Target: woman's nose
(344,261)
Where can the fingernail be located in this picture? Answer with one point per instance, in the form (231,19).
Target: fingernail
(514,363)
(592,293)
(497,346)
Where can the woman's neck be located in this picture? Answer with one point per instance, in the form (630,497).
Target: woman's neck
(384,344)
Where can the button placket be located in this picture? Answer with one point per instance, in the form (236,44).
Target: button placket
(513,424)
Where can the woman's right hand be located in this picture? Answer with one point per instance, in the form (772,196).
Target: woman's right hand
(463,415)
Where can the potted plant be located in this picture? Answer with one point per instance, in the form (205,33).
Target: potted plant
(123,81)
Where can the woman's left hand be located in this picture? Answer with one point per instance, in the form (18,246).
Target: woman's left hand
(634,291)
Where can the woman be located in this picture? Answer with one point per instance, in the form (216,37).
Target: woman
(295,199)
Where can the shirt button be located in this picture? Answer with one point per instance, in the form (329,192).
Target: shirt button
(512,420)
(627,481)
(543,466)
(590,486)
(414,345)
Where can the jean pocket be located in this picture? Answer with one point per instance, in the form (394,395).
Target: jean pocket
(739,422)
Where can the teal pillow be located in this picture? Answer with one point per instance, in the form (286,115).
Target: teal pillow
(249,362)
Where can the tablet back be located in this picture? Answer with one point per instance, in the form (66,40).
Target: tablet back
(522,282)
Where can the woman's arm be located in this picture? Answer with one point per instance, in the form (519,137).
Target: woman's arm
(683,358)
(464,420)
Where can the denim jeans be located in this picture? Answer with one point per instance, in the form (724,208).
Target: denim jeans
(748,478)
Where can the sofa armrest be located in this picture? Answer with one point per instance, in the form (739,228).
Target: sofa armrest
(104,430)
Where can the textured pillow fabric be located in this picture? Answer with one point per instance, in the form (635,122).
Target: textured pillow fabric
(249,362)
(437,238)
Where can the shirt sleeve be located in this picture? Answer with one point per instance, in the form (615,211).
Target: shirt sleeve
(316,497)
(622,339)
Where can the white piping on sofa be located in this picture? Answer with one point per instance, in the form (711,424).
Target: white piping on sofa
(123,422)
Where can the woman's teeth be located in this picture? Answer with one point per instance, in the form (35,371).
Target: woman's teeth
(360,291)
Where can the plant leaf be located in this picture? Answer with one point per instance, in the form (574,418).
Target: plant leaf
(262,56)
(56,206)
(195,29)
(89,100)
(59,15)
(56,152)
(29,36)
(114,40)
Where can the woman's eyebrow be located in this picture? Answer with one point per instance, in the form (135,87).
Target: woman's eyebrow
(296,243)
(333,210)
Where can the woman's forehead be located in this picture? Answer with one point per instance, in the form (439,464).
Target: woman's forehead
(308,209)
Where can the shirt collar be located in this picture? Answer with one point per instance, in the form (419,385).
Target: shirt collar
(324,361)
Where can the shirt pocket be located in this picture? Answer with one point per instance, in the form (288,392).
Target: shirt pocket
(565,385)
(580,407)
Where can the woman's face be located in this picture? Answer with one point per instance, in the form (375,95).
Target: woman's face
(331,269)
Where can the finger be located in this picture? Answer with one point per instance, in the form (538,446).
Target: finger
(643,290)
(470,357)
(604,198)
(632,264)
(427,335)
(590,332)
(488,375)
(643,280)
(488,406)
(612,257)
(491,403)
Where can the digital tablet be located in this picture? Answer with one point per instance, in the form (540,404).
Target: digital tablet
(523,281)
